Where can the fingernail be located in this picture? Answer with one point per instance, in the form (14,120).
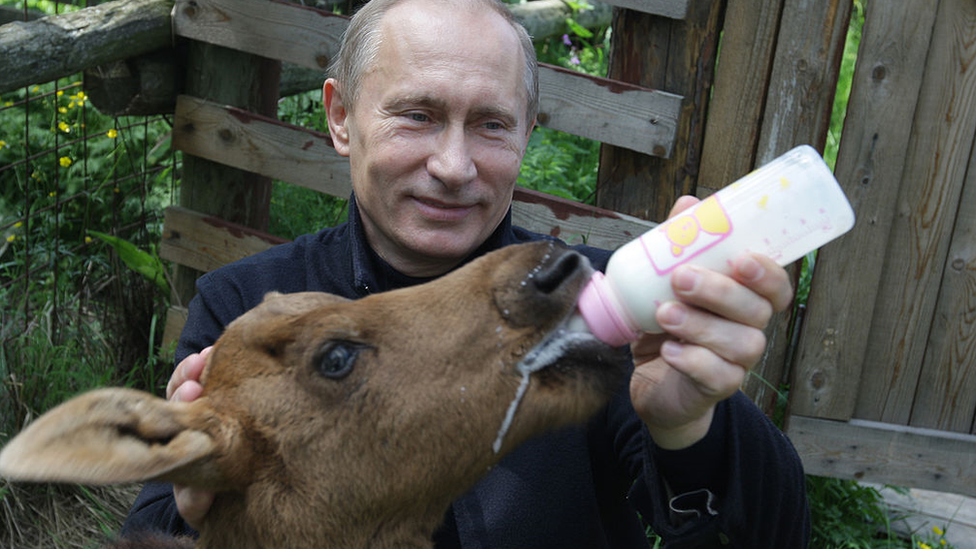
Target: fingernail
(750,269)
(671,350)
(671,314)
(685,279)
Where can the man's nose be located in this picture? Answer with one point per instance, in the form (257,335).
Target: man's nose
(451,162)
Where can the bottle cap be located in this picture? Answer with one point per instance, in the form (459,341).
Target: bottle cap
(599,308)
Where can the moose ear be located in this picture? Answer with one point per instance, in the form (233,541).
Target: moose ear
(109,436)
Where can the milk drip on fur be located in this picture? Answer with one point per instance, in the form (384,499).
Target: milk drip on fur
(785,209)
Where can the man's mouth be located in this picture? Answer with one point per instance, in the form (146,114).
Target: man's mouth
(442,211)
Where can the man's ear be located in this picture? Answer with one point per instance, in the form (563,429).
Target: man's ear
(114,436)
(337,114)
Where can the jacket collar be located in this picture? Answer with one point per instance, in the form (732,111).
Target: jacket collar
(371,274)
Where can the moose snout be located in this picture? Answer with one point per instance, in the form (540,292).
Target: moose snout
(547,287)
(558,271)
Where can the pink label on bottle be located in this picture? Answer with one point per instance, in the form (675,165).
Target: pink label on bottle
(679,240)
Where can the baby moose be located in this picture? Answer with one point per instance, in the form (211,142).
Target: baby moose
(330,423)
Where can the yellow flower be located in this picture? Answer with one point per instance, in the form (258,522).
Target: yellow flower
(36,175)
(112,134)
(3,144)
(116,190)
(11,238)
(88,240)
(63,126)
(60,93)
(922,545)
(942,542)
(35,89)
(52,194)
(71,105)
(938,531)
(63,110)
(18,224)
(64,161)
(8,103)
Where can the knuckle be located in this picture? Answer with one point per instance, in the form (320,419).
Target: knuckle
(753,345)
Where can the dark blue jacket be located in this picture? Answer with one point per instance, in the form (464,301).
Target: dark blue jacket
(742,486)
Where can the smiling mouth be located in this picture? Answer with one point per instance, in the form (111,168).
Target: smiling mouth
(442,211)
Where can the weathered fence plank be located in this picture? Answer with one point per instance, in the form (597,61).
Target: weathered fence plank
(804,77)
(282,31)
(262,145)
(573,222)
(304,157)
(204,242)
(741,80)
(629,116)
(677,56)
(76,41)
(941,141)
(946,394)
(884,94)
(890,454)
(675,9)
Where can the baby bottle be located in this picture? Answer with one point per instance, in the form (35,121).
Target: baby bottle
(784,210)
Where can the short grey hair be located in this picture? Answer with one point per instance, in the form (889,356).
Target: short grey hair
(361,43)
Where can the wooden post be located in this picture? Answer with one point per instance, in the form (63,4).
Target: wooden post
(673,56)
(241,80)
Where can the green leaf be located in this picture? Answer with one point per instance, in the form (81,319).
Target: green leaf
(578,30)
(144,263)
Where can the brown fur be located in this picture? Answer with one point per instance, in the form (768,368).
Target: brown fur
(372,459)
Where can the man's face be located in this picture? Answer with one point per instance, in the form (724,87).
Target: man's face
(436,135)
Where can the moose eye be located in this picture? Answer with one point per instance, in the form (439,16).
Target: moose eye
(337,358)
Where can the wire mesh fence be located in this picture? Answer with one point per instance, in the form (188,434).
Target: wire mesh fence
(81,195)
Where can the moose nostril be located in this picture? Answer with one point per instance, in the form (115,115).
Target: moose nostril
(551,275)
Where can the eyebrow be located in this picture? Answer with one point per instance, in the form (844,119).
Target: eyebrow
(425,100)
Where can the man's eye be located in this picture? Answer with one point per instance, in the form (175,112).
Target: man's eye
(418,117)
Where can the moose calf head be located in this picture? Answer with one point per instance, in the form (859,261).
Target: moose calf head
(333,423)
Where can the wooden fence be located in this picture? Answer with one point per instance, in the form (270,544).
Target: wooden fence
(882,369)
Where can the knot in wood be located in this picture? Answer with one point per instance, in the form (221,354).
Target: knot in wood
(191,9)
(817,380)
(879,72)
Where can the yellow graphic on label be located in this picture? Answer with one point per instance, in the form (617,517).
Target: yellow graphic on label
(708,217)
(687,235)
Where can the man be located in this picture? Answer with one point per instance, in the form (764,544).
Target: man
(433,101)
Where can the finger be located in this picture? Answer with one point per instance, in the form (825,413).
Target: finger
(192,503)
(713,376)
(188,392)
(721,295)
(681,204)
(765,277)
(734,342)
(190,368)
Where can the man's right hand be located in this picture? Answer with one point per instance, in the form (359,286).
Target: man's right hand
(184,386)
